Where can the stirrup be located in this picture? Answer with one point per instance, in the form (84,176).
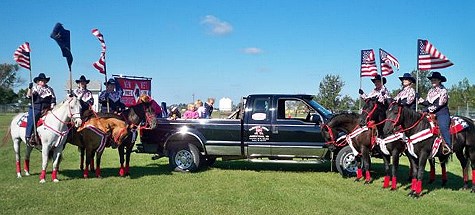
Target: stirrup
(446,150)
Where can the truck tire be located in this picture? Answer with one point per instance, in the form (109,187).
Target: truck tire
(345,162)
(185,158)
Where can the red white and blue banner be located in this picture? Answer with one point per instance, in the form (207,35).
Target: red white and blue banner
(132,87)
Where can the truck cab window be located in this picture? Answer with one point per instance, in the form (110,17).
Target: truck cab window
(260,109)
(295,109)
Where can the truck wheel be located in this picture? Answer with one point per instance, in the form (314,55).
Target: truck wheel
(346,162)
(185,157)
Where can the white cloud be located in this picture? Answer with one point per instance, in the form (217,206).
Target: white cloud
(252,50)
(216,26)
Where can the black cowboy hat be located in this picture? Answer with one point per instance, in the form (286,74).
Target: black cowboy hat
(378,77)
(81,79)
(110,81)
(437,75)
(407,76)
(41,76)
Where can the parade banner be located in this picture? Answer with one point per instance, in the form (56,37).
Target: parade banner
(132,87)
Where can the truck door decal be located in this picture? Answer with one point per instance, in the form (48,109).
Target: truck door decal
(261,134)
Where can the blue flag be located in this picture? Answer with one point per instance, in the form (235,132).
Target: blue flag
(62,37)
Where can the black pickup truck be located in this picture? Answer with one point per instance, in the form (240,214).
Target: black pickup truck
(265,128)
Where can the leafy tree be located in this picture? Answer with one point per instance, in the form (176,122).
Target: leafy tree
(8,76)
(7,96)
(329,91)
(461,96)
(347,103)
(424,83)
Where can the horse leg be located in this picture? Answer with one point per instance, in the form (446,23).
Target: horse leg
(367,165)
(82,151)
(359,170)
(44,162)
(92,166)
(387,170)
(443,165)
(472,163)
(463,163)
(432,171)
(98,164)
(394,169)
(413,173)
(88,162)
(420,173)
(16,148)
(56,160)
(121,158)
(26,167)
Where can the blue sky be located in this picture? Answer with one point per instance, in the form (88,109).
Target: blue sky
(237,47)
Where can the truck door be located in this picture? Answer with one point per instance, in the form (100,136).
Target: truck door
(257,129)
(296,130)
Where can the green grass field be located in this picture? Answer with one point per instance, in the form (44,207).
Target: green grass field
(235,187)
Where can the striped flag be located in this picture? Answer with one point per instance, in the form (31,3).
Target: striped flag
(386,60)
(101,63)
(368,63)
(22,55)
(429,57)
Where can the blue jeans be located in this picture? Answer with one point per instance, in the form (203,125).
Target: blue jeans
(30,122)
(444,124)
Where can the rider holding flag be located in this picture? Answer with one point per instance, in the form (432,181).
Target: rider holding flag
(380,92)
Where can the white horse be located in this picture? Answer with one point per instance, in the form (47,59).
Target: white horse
(52,134)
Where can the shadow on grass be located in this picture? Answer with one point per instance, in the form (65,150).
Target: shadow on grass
(246,165)
(135,172)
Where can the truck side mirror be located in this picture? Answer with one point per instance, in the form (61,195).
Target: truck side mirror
(315,118)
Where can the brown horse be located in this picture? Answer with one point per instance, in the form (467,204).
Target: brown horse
(117,130)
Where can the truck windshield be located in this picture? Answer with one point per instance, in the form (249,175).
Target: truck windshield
(320,108)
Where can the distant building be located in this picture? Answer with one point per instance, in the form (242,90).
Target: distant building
(225,104)
(95,87)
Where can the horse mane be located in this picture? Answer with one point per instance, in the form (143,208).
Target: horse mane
(344,116)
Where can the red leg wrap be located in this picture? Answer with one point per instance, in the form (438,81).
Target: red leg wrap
(92,164)
(386,182)
(54,174)
(368,175)
(359,173)
(394,183)
(43,174)
(27,166)
(98,172)
(127,169)
(18,167)
(85,174)
(419,187)
(121,170)
(473,177)
(413,184)
(465,175)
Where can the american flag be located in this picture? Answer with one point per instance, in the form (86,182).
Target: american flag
(101,63)
(22,55)
(429,57)
(368,63)
(386,61)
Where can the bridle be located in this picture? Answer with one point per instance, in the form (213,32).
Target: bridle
(333,140)
(395,122)
(369,114)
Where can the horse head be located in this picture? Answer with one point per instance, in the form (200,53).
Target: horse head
(393,118)
(373,110)
(142,113)
(74,106)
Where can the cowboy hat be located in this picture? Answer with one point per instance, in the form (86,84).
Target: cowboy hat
(437,75)
(407,76)
(41,76)
(110,81)
(82,79)
(378,77)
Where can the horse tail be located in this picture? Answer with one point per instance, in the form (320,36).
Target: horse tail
(5,137)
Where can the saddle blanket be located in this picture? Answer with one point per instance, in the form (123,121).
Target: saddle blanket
(457,125)
(22,121)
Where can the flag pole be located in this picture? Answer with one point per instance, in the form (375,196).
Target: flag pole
(105,78)
(32,105)
(417,74)
(359,98)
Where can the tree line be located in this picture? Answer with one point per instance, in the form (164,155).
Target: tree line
(329,93)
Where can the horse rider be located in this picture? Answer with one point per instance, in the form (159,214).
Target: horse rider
(110,98)
(437,103)
(43,99)
(83,94)
(379,91)
(407,95)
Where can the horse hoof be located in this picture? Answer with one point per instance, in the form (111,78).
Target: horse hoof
(444,183)
(27,173)
(411,193)
(42,181)
(18,175)
(357,179)
(473,190)
(55,180)
(393,189)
